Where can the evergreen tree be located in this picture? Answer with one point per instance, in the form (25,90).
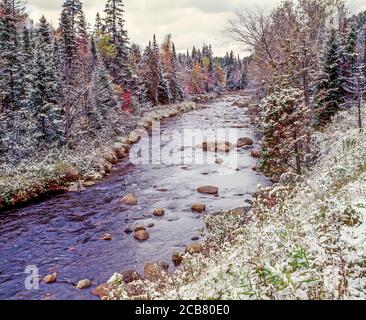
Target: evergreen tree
(43,102)
(103,112)
(10,61)
(114,27)
(330,93)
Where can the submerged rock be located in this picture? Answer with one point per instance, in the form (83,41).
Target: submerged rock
(50,278)
(84,284)
(208,190)
(102,291)
(256,154)
(141,235)
(128,230)
(159,212)
(245,142)
(106,237)
(198,207)
(129,200)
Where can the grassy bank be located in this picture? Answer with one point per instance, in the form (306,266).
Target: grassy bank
(305,237)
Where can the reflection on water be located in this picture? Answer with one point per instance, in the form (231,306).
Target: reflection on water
(62,234)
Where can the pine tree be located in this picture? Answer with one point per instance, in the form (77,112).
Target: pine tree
(103,112)
(10,62)
(329,90)
(43,100)
(114,27)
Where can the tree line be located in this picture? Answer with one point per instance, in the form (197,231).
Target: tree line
(59,85)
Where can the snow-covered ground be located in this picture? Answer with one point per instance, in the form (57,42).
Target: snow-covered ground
(304,239)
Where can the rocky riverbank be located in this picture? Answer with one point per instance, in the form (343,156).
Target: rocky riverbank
(303,238)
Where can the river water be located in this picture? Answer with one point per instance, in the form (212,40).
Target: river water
(62,234)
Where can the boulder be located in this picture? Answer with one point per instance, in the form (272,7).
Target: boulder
(244,142)
(256,154)
(153,271)
(194,247)
(50,278)
(129,200)
(177,258)
(198,207)
(131,276)
(106,237)
(141,235)
(159,212)
(101,291)
(208,190)
(84,284)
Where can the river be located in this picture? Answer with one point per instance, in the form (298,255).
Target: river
(62,234)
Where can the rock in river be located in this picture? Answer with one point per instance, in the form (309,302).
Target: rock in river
(84,284)
(50,278)
(208,190)
(129,200)
(106,237)
(256,154)
(244,142)
(198,207)
(141,235)
(177,258)
(139,227)
(159,212)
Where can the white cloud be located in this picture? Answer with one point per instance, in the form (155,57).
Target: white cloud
(191,22)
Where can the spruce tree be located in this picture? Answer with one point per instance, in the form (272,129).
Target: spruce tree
(43,102)
(330,93)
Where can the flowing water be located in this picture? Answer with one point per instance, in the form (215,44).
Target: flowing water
(62,234)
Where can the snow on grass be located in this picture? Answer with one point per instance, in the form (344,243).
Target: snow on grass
(304,239)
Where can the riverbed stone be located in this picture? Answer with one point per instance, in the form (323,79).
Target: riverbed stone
(131,276)
(151,225)
(208,190)
(198,207)
(106,237)
(84,284)
(194,247)
(128,230)
(256,154)
(102,291)
(141,235)
(159,212)
(50,278)
(245,142)
(129,200)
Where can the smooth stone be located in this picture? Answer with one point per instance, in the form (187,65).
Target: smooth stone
(208,190)
(84,284)
(50,278)
(141,235)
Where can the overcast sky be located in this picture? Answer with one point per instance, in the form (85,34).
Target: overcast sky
(191,22)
